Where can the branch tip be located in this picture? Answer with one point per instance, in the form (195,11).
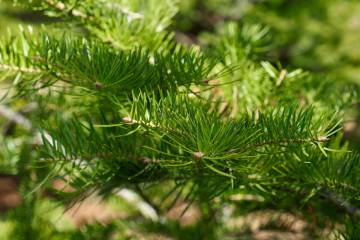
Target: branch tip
(98,85)
(127,120)
(322,139)
(198,155)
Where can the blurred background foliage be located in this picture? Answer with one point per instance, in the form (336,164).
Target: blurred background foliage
(322,37)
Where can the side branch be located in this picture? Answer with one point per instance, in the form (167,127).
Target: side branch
(341,203)
(287,141)
(5,67)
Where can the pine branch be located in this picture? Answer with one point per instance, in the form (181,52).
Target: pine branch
(216,154)
(123,105)
(124,25)
(98,69)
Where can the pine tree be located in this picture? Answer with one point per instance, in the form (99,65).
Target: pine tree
(104,98)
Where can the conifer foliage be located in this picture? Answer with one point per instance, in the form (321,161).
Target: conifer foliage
(107,99)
